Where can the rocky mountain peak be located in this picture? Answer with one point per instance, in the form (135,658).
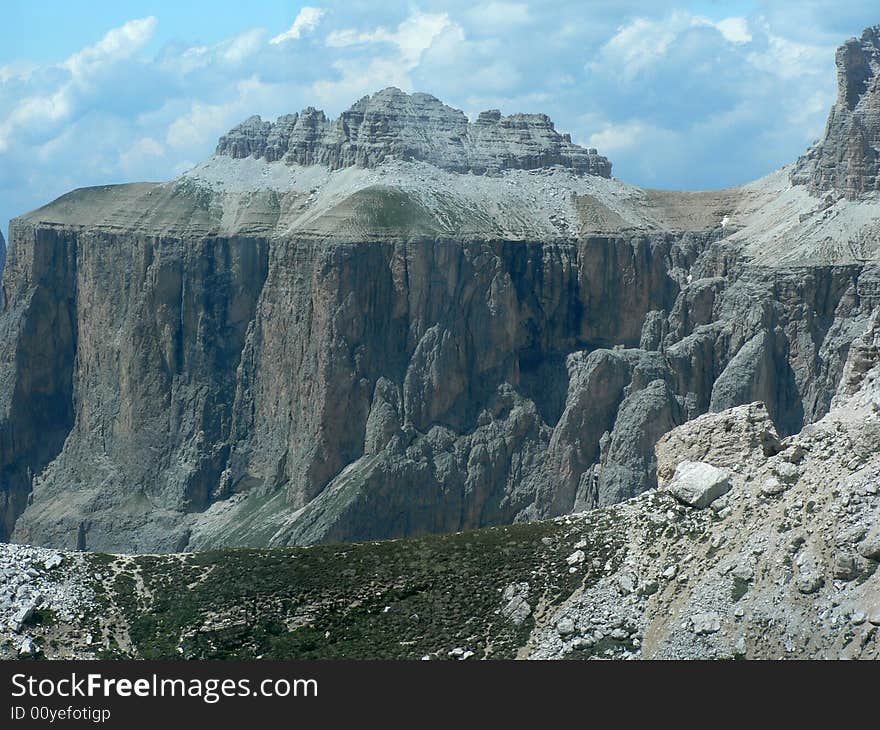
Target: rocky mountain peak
(847,158)
(392,124)
(858,65)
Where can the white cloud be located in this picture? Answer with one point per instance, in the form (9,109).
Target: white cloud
(306,21)
(675,98)
(43,111)
(369,68)
(203,122)
(17,70)
(34,111)
(630,136)
(735,30)
(192,127)
(229,52)
(643,42)
(119,44)
(413,36)
(616,137)
(358,79)
(140,155)
(789,59)
(243,46)
(191,59)
(494,15)
(690,102)
(417,33)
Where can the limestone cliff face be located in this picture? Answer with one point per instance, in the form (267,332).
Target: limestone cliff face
(369,329)
(847,159)
(271,390)
(38,342)
(158,327)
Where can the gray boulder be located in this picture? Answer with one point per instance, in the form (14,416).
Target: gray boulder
(708,622)
(28,648)
(516,606)
(869,547)
(23,614)
(699,484)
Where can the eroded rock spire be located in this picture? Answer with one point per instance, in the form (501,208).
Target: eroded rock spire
(847,159)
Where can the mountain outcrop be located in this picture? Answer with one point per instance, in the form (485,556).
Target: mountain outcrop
(847,159)
(400,323)
(394,125)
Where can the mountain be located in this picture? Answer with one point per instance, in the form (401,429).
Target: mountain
(847,159)
(394,125)
(402,323)
(783,564)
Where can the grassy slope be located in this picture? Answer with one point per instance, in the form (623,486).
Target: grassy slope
(395,599)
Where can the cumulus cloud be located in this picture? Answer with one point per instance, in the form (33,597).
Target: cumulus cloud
(611,137)
(789,59)
(203,122)
(643,42)
(489,17)
(676,98)
(38,112)
(244,46)
(640,44)
(306,21)
(142,152)
(119,44)
(735,30)
(379,57)
(410,38)
(697,102)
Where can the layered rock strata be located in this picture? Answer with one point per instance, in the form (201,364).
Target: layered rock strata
(391,124)
(363,339)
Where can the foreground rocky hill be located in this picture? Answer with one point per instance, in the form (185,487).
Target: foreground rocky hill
(753,547)
(401,323)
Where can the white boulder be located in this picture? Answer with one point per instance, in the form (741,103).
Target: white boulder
(698,484)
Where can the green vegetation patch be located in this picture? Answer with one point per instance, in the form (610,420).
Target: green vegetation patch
(45,617)
(392,210)
(398,599)
(740,588)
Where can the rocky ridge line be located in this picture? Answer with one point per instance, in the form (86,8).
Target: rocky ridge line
(391,124)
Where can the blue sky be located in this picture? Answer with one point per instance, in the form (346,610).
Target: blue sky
(678,94)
